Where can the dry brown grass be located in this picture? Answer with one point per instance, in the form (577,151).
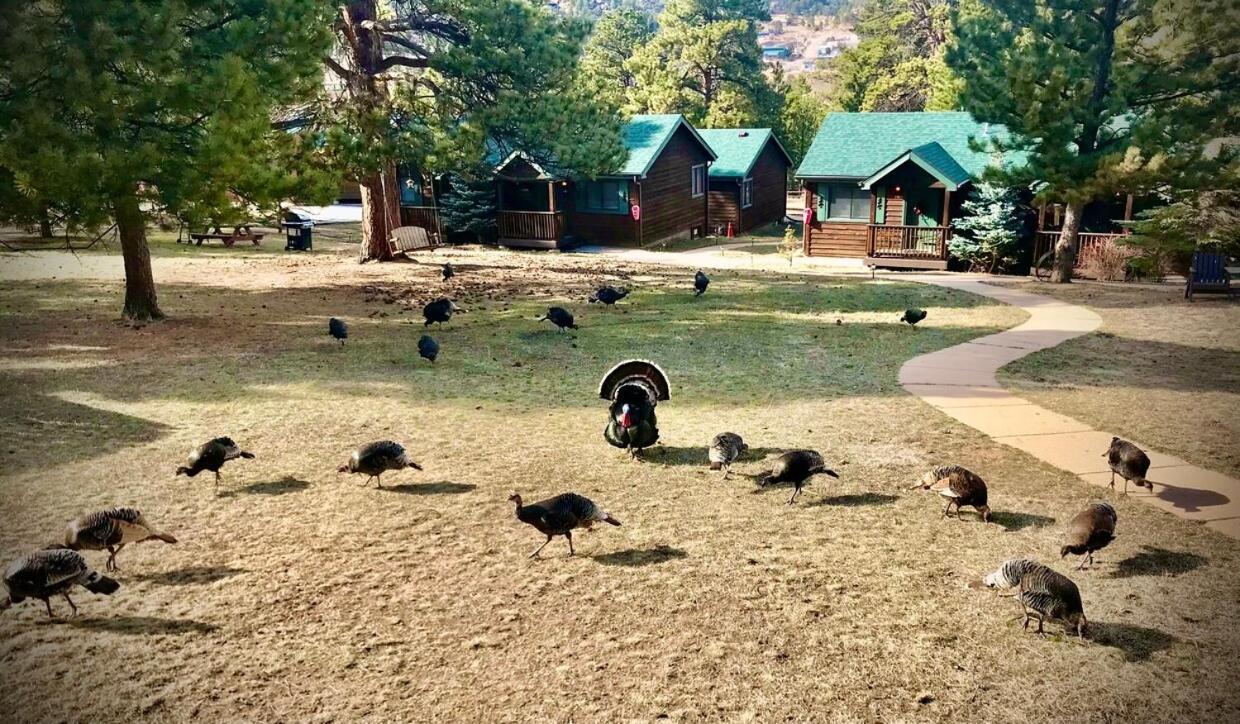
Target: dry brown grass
(1160,370)
(298,595)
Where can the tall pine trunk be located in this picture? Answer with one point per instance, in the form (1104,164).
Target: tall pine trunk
(1065,247)
(140,302)
(380,214)
(45,225)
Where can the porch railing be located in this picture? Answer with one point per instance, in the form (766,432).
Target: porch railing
(1044,241)
(530,225)
(425,216)
(909,242)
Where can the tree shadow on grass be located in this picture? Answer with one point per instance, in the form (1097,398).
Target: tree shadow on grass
(1137,643)
(639,557)
(188,576)
(440,488)
(143,625)
(286,484)
(856,501)
(1013,521)
(1152,561)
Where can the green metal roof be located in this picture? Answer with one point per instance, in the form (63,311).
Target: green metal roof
(645,137)
(933,159)
(737,149)
(858,145)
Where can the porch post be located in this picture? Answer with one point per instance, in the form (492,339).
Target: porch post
(1128,208)
(947,215)
(551,196)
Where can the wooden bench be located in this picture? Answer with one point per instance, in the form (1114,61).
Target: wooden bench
(239,233)
(1208,275)
(405,239)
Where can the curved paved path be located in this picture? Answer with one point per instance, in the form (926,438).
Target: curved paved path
(960,382)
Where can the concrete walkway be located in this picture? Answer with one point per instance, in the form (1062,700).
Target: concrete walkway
(960,382)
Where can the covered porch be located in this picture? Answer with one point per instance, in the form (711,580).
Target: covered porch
(913,200)
(530,204)
(1103,222)
(419,198)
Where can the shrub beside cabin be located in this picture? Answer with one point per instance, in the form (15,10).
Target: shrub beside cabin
(748,180)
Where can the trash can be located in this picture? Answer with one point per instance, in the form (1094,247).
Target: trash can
(298,232)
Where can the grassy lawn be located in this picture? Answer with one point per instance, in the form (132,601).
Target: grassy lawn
(296,594)
(1160,370)
(763,240)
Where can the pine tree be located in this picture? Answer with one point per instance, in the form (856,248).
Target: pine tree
(114,109)
(989,226)
(615,38)
(1101,96)
(802,114)
(469,207)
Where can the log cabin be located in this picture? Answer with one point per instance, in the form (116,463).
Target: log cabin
(658,194)
(748,180)
(884,187)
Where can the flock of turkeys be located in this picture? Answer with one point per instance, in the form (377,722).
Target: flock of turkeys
(633,389)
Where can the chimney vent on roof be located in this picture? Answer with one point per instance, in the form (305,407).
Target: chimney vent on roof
(985,130)
(743,134)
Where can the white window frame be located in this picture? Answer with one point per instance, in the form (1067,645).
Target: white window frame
(697,184)
(746,193)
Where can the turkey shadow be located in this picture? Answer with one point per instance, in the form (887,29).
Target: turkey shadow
(856,501)
(675,455)
(144,625)
(283,486)
(1012,521)
(1137,643)
(1153,561)
(639,557)
(1190,500)
(188,576)
(440,488)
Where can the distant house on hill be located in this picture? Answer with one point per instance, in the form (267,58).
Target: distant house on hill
(749,178)
(884,187)
(776,52)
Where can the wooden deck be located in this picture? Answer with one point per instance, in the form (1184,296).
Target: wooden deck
(531,229)
(1044,241)
(907,247)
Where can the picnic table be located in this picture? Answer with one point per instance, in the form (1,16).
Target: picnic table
(239,233)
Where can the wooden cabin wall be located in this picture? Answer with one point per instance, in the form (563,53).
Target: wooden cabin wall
(668,206)
(770,189)
(725,204)
(618,229)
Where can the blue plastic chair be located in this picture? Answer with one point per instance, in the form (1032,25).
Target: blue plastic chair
(1208,274)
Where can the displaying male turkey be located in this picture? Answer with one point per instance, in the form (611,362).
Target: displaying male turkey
(608,295)
(725,448)
(796,467)
(960,486)
(439,311)
(212,456)
(428,348)
(52,572)
(913,316)
(338,329)
(1090,530)
(1043,594)
(377,458)
(700,282)
(1130,462)
(560,317)
(448,271)
(634,388)
(111,530)
(561,515)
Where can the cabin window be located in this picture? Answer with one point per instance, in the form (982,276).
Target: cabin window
(847,202)
(698,180)
(409,181)
(603,197)
(746,193)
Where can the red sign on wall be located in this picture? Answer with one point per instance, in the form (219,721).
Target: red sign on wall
(807,216)
(637,212)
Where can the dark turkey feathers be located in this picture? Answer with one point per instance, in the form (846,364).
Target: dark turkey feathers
(211,456)
(1130,462)
(53,572)
(111,530)
(1043,594)
(609,295)
(448,271)
(561,515)
(725,449)
(439,311)
(913,316)
(634,387)
(338,329)
(428,348)
(960,486)
(796,467)
(700,282)
(1090,530)
(560,317)
(376,458)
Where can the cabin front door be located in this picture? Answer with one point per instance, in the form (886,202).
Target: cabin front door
(923,207)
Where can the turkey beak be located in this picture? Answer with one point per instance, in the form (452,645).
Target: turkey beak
(342,469)
(414,465)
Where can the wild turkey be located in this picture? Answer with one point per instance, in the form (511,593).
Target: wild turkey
(428,348)
(1130,462)
(700,282)
(1090,530)
(796,467)
(439,311)
(377,458)
(52,572)
(725,449)
(448,271)
(111,530)
(608,295)
(960,486)
(1043,594)
(338,329)
(212,456)
(634,388)
(561,515)
(913,316)
(560,317)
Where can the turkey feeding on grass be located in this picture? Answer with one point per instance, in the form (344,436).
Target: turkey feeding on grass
(634,388)
(1130,462)
(439,311)
(448,271)
(561,515)
(796,467)
(377,458)
(1090,530)
(338,329)
(1043,594)
(700,282)
(913,316)
(608,295)
(428,348)
(560,317)
(960,486)
(212,456)
(53,572)
(725,449)
(111,530)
